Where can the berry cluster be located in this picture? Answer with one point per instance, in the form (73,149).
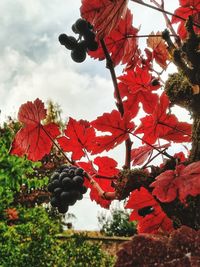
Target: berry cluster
(66,186)
(86,40)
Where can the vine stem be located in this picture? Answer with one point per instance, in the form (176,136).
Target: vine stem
(101,192)
(174,128)
(119,103)
(53,141)
(163,11)
(151,159)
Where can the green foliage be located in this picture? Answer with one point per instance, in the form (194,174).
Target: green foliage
(33,242)
(81,253)
(117,224)
(14,171)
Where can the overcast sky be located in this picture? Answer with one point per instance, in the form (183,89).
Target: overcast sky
(33,64)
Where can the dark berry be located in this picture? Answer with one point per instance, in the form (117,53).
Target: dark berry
(78,180)
(54,202)
(57,191)
(78,55)
(62,38)
(81,26)
(54,176)
(50,188)
(62,208)
(67,183)
(83,189)
(65,196)
(79,171)
(89,36)
(68,41)
(92,46)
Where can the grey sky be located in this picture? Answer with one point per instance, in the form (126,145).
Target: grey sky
(33,64)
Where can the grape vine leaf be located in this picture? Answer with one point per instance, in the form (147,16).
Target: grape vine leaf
(34,139)
(161,124)
(160,52)
(118,126)
(187,8)
(104,15)
(151,223)
(106,166)
(180,183)
(140,154)
(78,138)
(139,89)
(121,43)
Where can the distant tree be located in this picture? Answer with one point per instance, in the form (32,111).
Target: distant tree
(117,224)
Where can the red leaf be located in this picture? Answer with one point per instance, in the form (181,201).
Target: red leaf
(118,126)
(121,42)
(104,15)
(33,138)
(182,182)
(163,125)
(151,223)
(139,155)
(160,52)
(187,8)
(79,137)
(139,88)
(107,166)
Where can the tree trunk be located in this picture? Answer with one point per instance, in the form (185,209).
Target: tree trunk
(195,151)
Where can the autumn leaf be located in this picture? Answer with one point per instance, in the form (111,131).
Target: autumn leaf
(153,222)
(160,52)
(140,155)
(161,124)
(34,139)
(106,166)
(78,138)
(139,89)
(187,8)
(121,43)
(118,126)
(104,15)
(180,183)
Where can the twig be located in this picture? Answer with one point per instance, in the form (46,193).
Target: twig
(168,22)
(147,143)
(163,10)
(53,141)
(119,103)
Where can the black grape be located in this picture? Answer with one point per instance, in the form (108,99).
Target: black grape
(78,54)
(68,41)
(81,26)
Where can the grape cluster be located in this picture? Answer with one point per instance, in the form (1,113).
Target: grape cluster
(85,42)
(66,186)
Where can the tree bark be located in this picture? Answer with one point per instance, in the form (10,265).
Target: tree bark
(195,151)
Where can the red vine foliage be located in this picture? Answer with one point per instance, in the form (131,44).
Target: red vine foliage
(170,190)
